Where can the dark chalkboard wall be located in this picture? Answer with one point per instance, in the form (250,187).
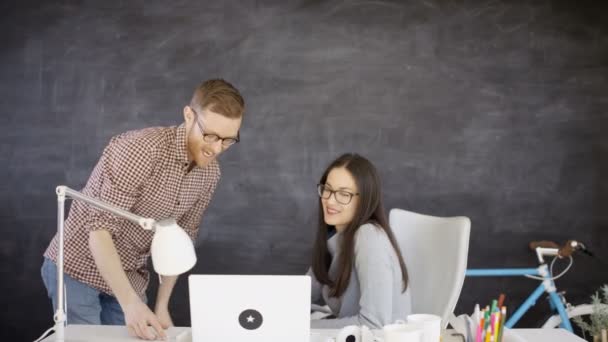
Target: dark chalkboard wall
(492,109)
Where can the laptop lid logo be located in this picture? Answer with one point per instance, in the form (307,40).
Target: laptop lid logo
(251,319)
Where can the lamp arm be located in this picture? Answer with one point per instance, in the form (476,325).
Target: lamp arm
(146,223)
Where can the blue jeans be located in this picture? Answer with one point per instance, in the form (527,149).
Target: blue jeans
(85,305)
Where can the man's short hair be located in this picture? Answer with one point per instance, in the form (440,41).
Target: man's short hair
(219,96)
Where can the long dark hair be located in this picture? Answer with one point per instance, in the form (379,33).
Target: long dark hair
(369,210)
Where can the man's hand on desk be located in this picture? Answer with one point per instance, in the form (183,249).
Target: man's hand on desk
(139,317)
(164,317)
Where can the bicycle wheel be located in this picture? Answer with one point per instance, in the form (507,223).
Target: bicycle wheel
(582,310)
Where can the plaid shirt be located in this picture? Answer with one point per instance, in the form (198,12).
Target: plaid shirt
(144,172)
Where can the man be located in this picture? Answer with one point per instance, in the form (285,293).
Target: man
(159,172)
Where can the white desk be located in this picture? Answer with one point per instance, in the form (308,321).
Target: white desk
(101,333)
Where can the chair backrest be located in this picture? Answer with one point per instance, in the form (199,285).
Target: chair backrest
(435,251)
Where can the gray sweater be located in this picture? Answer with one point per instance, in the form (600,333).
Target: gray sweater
(374,295)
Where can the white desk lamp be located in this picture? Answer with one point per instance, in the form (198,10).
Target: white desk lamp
(172,249)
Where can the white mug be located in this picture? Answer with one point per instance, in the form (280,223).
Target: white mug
(430,324)
(401,331)
(355,333)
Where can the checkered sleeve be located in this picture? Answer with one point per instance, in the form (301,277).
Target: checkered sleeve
(191,220)
(122,170)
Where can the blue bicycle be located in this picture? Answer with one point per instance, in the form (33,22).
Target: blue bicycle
(563,310)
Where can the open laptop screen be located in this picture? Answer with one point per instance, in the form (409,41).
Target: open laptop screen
(249,308)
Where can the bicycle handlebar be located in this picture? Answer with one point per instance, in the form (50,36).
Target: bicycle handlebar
(546,248)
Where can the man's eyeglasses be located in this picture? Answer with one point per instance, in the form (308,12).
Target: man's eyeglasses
(341,196)
(212,138)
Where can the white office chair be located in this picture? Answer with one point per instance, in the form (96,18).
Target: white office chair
(435,251)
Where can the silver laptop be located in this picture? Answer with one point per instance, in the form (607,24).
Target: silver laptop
(249,308)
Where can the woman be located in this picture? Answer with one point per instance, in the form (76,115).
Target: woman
(357,267)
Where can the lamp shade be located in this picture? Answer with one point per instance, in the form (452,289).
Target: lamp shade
(172,249)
